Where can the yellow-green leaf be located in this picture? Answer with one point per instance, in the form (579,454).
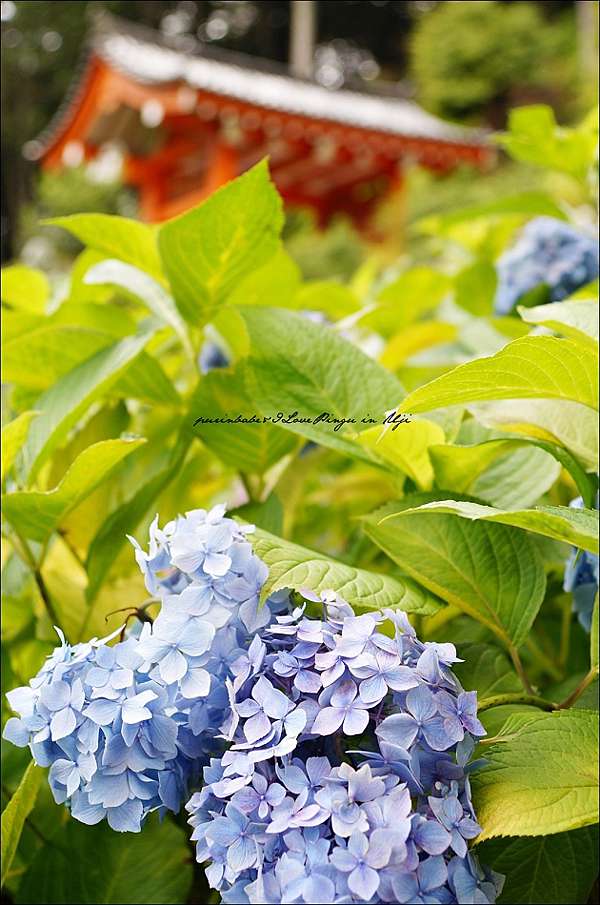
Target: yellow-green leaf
(37,513)
(15,814)
(541,776)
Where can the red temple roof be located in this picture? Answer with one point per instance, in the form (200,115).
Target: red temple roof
(188,118)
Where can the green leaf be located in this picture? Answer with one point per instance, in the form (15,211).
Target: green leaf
(403,301)
(333,299)
(594,634)
(487,670)
(208,250)
(319,373)
(276,283)
(576,319)
(491,572)
(111,536)
(541,367)
(13,437)
(459,468)
(93,864)
(38,359)
(116,237)
(416,338)
(64,403)
(36,514)
(534,137)
(24,288)
(139,284)
(296,567)
(15,814)
(475,288)
(406,448)
(572,526)
(267,515)
(545,870)
(541,776)
(250,448)
(557,421)
(526,203)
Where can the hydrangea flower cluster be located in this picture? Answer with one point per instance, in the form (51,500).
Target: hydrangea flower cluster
(126,728)
(581,578)
(548,252)
(336,756)
(347,776)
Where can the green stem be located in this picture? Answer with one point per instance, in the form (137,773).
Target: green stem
(585,683)
(39,580)
(517,663)
(532,700)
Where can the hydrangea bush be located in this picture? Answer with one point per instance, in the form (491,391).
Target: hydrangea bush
(386,692)
(270,703)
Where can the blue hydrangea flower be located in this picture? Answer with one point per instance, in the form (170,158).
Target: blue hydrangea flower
(126,728)
(547,253)
(329,823)
(267,701)
(581,578)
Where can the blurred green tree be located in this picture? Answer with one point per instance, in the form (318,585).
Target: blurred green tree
(477,59)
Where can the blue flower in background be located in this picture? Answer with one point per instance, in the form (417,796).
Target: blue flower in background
(581,578)
(547,253)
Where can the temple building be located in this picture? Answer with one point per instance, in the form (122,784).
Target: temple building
(187,118)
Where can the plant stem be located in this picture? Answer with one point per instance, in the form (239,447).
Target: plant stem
(39,580)
(517,663)
(585,683)
(517,698)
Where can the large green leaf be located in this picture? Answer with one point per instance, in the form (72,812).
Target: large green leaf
(139,284)
(491,572)
(13,437)
(64,403)
(36,514)
(576,319)
(251,447)
(541,776)
(295,567)
(460,467)
(319,373)
(572,526)
(116,237)
(39,358)
(275,283)
(15,814)
(208,250)
(93,864)
(557,421)
(487,670)
(545,870)
(542,367)
(24,288)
